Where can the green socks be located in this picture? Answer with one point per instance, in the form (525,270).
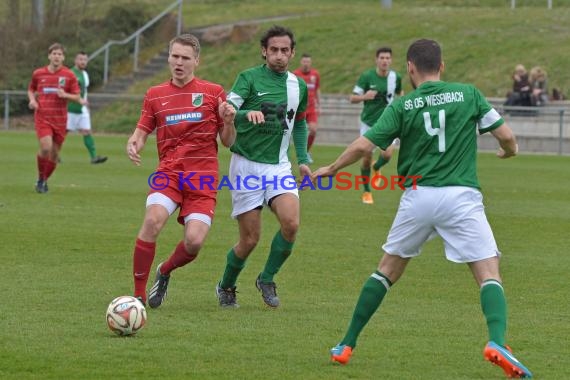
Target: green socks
(280,251)
(371,296)
(494,307)
(375,288)
(379,163)
(90,145)
(234,265)
(366,174)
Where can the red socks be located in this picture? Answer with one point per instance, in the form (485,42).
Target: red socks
(49,168)
(143,257)
(142,263)
(45,167)
(310,140)
(178,259)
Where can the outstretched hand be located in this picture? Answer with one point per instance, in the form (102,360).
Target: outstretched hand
(325,171)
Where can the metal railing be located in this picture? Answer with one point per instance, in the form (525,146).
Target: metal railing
(17,94)
(136,36)
(514,4)
(544,125)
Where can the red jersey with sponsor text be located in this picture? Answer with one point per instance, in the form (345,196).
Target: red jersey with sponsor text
(187,123)
(52,109)
(313,80)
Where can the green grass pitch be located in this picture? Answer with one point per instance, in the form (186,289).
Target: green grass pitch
(66,254)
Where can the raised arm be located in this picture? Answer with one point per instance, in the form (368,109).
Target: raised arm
(351,154)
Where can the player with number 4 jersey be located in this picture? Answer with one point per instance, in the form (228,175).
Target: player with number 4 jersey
(436,125)
(451,112)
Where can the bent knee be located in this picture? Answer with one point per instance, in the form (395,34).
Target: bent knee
(249,242)
(152,226)
(192,245)
(45,152)
(289,230)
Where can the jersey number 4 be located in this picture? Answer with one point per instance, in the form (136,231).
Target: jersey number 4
(439,132)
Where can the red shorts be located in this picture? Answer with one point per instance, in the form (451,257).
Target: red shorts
(196,195)
(58,134)
(312,116)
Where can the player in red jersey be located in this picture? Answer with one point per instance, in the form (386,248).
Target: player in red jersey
(313,80)
(49,91)
(187,114)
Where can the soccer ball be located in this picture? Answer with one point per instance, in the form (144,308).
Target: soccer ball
(126,315)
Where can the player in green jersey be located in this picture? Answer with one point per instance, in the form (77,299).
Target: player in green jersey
(377,88)
(271,104)
(78,117)
(436,125)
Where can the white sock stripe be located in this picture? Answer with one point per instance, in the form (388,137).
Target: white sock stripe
(381,279)
(492,282)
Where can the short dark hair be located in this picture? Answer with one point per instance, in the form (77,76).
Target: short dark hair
(277,31)
(383,49)
(306,55)
(81,52)
(425,55)
(56,46)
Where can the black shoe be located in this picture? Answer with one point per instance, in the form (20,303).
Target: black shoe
(268,292)
(41,186)
(226,297)
(157,293)
(98,159)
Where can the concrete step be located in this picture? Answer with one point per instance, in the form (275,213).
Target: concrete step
(157,66)
(121,80)
(115,88)
(145,73)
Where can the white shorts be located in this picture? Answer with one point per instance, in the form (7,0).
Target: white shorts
(365,127)
(78,121)
(456,213)
(171,206)
(254,184)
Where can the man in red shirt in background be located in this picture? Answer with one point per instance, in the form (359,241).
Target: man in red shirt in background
(49,91)
(313,80)
(187,114)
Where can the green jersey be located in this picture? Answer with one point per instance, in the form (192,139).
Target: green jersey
(388,87)
(83,80)
(282,97)
(436,125)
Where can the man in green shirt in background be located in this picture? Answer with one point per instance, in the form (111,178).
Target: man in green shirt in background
(377,88)
(78,117)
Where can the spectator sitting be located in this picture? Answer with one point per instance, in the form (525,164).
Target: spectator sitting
(539,86)
(521,93)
